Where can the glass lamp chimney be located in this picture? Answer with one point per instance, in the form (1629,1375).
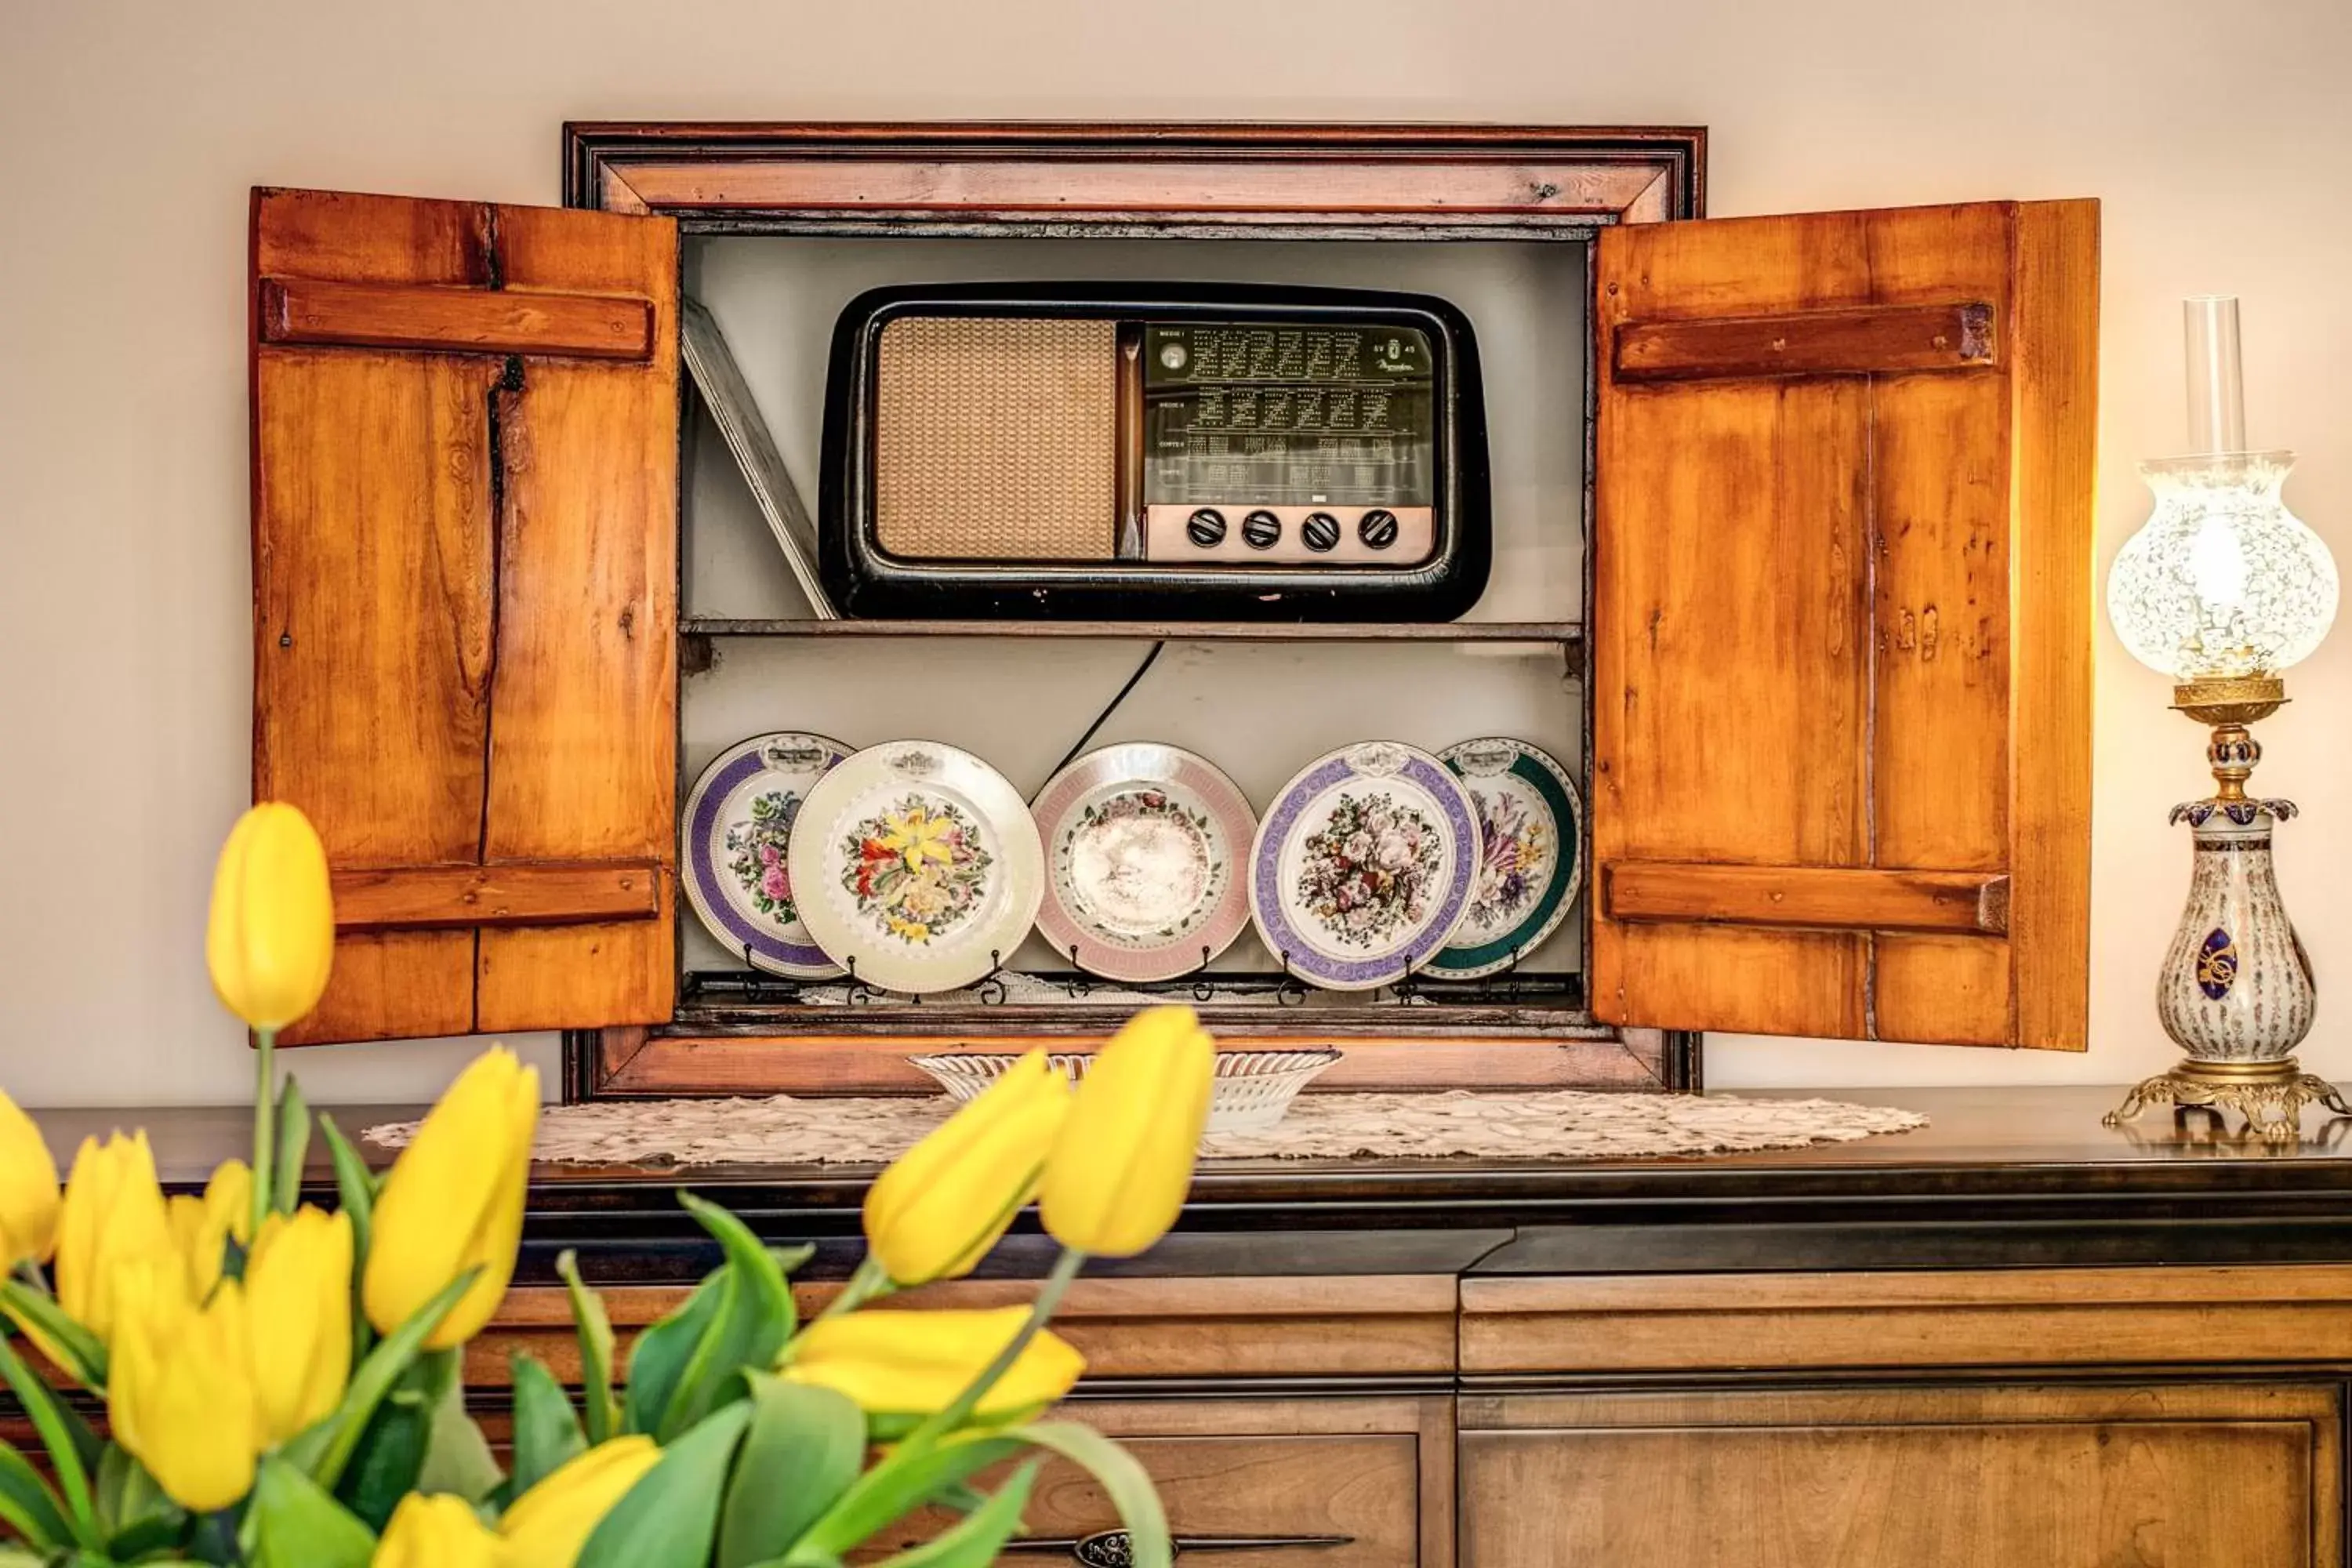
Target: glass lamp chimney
(2217,387)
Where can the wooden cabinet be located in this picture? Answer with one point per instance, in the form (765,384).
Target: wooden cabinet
(1835,659)
(2213,1475)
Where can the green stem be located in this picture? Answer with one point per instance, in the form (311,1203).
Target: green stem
(264,1130)
(869,1283)
(1049,1296)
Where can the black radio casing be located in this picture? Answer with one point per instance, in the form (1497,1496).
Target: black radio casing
(864,579)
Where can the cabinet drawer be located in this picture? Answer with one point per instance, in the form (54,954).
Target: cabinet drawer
(1303,1484)
(2218,1475)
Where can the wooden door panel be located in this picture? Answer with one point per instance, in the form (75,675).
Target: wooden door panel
(1843,458)
(2217,1475)
(465,586)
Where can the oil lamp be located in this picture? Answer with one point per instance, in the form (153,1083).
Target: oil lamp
(2224,589)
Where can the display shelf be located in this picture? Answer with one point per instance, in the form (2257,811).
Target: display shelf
(1150,631)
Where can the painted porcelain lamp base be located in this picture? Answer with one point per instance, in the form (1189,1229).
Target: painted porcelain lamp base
(2236,991)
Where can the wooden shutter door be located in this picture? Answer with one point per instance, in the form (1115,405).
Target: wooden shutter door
(1842,624)
(465,465)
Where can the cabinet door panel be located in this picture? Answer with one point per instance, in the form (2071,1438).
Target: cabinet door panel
(465,541)
(1842,619)
(2217,1475)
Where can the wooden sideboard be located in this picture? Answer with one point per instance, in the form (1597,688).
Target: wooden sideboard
(2012,1338)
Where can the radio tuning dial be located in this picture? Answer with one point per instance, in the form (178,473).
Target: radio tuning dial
(1377,528)
(1206,528)
(1321,531)
(1261,531)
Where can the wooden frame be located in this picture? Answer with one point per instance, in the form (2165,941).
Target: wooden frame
(1006,180)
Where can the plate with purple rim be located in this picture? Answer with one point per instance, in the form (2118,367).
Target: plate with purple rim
(918,867)
(734,844)
(1146,846)
(1530,855)
(1363,866)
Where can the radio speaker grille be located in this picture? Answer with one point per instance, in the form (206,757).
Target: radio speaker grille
(994,439)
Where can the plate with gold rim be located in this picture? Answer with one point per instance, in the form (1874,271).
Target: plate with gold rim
(1530,854)
(918,866)
(734,837)
(1363,866)
(1146,850)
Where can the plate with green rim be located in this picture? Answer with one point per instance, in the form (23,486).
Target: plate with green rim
(1531,858)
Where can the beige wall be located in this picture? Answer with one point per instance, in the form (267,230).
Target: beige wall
(2218,135)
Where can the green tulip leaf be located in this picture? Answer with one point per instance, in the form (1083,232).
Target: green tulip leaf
(1124,1479)
(457,1455)
(902,1482)
(657,1361)
(804,1449)
(291,1523)
(325,1449)
(756,1318)
(668,1518)
(136,1515)
(546,1432)
(390,1455)
(594,1330)
(974,1542)
(293,1149)
(355,1189)
(790,1258)
(28,1505)
(79,1353)
(49,1419)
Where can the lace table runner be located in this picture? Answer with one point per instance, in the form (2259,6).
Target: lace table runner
(1557,1125)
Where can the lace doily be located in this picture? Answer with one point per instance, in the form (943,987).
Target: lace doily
(1558,1125)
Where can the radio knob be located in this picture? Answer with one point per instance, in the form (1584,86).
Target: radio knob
(1206,528)
(1377,528)
(1261,531)
(1321,530)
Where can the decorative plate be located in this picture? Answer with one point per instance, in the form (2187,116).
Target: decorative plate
(1363,866)
(734,846)
(918,867)
(1145,847)
(1531,836)
(1251,1090)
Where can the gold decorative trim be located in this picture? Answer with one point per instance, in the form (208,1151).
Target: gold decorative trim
(2270,1095)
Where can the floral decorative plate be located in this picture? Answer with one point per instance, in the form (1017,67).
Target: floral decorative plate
(919,862)
(1145,847)
(1531,836)
(1363,866)
(733,839)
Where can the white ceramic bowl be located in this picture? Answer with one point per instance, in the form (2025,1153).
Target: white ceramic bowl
(1253,1087)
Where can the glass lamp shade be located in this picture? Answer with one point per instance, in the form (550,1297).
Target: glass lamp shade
(2222,580)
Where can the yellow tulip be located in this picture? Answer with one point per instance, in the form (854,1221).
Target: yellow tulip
(179,1389)
(201,1226)
(298,1294)
(939,1208)
(912,1364)
(550,1524)
(1124,1161)
(28,1190)
(436,1530)
(271,937)
(454,1201)
(113,1212)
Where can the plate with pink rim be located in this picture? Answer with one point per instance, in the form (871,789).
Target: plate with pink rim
(1363,866)
(734,840)
(918,867)
(1145,850)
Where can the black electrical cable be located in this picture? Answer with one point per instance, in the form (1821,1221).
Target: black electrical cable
(1104,717)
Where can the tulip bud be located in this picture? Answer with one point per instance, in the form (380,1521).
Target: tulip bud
(550,1524)
(271,937)
(1123,1162)
(201,1226)
(913,1363)
(113,1212)
(939,1208)
(28,1190)
(180,1392)
(436,1531)
(453,1201)
(298,1294)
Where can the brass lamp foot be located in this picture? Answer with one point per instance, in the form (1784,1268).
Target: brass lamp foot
(2270,1095)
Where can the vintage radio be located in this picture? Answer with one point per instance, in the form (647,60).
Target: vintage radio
(1153,450)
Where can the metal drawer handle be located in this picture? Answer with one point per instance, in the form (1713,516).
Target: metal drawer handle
(1112,1549)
